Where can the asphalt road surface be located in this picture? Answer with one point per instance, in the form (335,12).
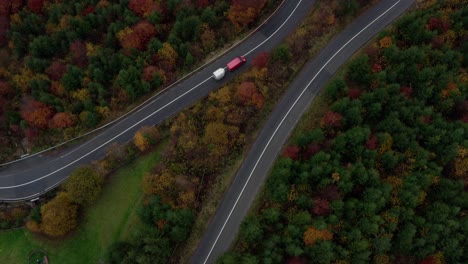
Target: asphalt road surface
(29,178)
(236,202)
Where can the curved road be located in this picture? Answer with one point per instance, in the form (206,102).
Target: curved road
(236,202)
(33,176)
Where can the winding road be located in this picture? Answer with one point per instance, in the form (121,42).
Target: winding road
(224,226)
(31,177)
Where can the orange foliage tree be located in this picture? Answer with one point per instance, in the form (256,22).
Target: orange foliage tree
(138,36)
(36,113)
(312,235)
(247,91)
(63,120)
(243,12)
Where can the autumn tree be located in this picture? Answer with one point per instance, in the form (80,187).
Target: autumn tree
(168,55)
(312,235)
(35,5)
(145,137)
(36,113)
(59,216)
(243,12)
(56,70)
(208,38)
(84,185)
(321,207)
(78,53)
(161,184)
(292,152)
(461,163)
(138,36)
(143,8)
(221,137)
(331,119)
(261,60)
(247,92)
(63,120)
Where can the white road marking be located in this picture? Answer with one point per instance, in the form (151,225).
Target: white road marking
(87,154)
(282,120)
(144,104)
(263,42)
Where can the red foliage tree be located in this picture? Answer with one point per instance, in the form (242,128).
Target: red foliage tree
(354,93)
(8,7)
(144,31)
(429,260)
(36,113)
(5,7)
(311,149)
(62,120)
(5,88)
(4,26)
(371,142)
(292,152)
(261,60)
(406,91)
(297,260)
(329,193)
(247,92)
(202,3)
(35,6)
(78,53)
(149,72)
(331,119)
(143,7)
(88,10)
(461,111)
(321,207)
(377,67)
(437,42)
(438,24)
(56,70)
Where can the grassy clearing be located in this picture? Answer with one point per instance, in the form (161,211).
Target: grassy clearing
(113,217)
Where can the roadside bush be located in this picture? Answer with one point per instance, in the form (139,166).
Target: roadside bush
(84,185)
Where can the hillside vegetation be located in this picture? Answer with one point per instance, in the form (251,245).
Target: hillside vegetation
(65,66)
(381,177)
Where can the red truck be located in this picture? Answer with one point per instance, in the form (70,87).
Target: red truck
(236,63)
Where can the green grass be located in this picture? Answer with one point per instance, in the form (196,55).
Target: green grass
(113,217)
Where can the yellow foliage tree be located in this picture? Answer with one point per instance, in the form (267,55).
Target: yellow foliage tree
(312,235)
(58,216)
(146,137)
(222,96)
(385,42)
(461,163)
(159,184)
(33,226)
(167,53)
(186,199)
